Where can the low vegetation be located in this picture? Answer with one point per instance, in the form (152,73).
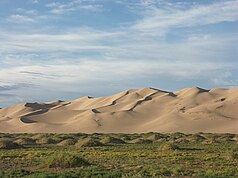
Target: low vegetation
(88,142)
(169,147)
(119,155)
(111,140)
(66,142)
(234,153)
(25,141)
(62,160)
(8,144)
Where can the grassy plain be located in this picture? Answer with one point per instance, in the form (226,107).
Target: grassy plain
(119,155)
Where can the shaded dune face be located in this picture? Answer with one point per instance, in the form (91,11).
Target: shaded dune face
(189,110)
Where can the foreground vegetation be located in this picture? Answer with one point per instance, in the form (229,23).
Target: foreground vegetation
(119,155)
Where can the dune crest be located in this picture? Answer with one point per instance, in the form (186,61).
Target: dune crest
(189,110)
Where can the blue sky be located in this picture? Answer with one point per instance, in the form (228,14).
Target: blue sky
(66,49)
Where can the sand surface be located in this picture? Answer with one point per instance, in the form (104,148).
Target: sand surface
(189,110)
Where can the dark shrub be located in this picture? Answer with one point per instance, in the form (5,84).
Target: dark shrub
(8,144)
(25,141)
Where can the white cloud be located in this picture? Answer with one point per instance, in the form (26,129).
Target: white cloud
(121,44)
(175,17)
(85,76)
(73,5)
(17,18)
(90,71)
(79,40)
(24,16)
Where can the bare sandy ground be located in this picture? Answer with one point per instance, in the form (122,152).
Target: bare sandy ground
(189,110)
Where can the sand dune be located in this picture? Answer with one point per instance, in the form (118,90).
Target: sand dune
(189,110)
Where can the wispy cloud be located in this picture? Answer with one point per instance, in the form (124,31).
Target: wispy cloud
(85,71)
(17,18)
(84,76)
(124,44)
(80,40)
(73,5)
(6,86)
(25,16)
(196,15)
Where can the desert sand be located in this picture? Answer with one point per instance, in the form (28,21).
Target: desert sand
(190,110)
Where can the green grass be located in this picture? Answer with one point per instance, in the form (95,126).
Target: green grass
(165,155)
(63,160)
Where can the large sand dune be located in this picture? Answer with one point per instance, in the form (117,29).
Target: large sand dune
(139,110)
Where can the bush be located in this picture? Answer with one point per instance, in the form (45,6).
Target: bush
(65,161)
(176,135)
(88,142)
(67,142)
(38,136)
(25,141)
(8,144)
(141,141)
(111,140)
(155,136)
(197,138)
(45,140)
(61,137)
(181,140)
(210,141)
(227,137)
(169,147)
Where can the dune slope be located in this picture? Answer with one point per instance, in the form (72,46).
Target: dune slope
(189,110)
